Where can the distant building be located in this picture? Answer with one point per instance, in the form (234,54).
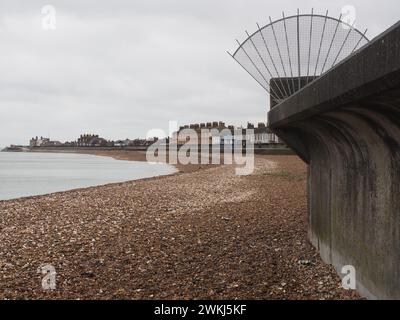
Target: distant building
(52,144)
(70,144)
(92,140)
(124,143)
(85,139)
(139,142)
(150,141)
(38,142)
(43,142)
(223,131)
(263,135)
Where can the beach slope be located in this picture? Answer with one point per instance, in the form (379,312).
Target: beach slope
(205,234)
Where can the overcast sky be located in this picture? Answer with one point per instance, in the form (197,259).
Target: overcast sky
(120,68)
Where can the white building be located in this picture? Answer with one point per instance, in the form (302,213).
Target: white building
(36,142)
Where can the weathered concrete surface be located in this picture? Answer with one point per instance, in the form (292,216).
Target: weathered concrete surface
(346,126)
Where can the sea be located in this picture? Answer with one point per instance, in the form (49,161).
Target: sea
(24,174)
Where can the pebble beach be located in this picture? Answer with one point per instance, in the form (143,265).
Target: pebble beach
(202,233)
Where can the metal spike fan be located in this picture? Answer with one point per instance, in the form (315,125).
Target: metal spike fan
(289,53)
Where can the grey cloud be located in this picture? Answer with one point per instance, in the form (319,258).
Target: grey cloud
(120,68)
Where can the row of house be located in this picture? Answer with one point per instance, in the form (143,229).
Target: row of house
(222,134)
(90,140)
(262,134)
(259,135)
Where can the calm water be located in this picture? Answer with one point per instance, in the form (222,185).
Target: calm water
(28,174)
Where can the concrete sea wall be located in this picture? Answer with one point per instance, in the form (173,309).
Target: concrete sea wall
(346,126)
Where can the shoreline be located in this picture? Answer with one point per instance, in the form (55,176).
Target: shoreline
(123,155)
(115,156)
(128,155)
